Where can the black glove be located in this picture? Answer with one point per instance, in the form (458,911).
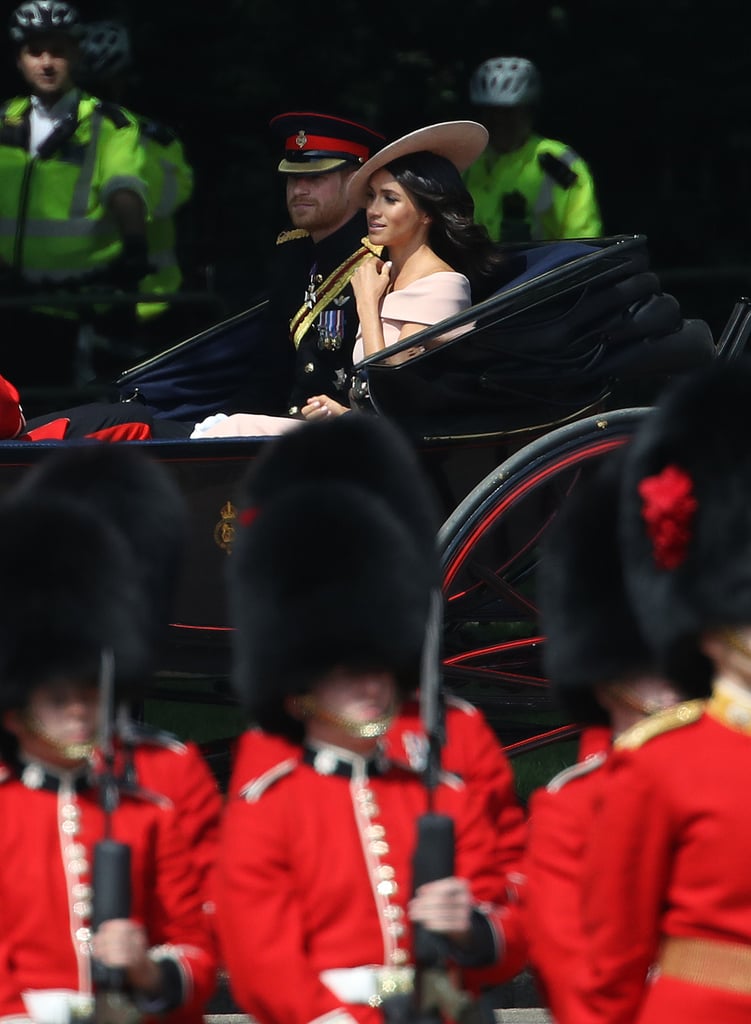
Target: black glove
(127,269)
(401,1009)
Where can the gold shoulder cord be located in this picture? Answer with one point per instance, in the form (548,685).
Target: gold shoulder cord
(661,722)
(335,283)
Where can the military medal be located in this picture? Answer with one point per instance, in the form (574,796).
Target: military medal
(311,292)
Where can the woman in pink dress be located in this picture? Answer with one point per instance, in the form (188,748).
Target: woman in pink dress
(428,253)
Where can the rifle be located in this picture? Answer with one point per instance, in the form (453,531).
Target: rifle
(435,993)
(111,867)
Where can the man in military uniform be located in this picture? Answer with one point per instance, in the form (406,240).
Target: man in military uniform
(311,307)
(604,676)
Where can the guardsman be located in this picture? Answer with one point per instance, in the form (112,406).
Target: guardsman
(76,604)
(73,198)
(373,453)
(604,678)
(321,824)
(668,898)
(525,187)
(135,494)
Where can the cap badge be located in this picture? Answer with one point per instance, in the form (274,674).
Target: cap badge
(302,139)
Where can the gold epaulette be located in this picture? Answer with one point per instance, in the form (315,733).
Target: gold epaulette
(291,235)
(253,790)
(577,771)
(662,721)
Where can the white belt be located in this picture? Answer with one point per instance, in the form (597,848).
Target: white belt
(56,1005)
(368,985)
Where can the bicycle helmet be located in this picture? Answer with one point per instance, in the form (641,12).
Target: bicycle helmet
(505,82)
(43,16)
(105,48)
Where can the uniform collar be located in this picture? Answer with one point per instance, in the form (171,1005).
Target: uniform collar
(67,104)
(38,775)
(329,760)
(730,704)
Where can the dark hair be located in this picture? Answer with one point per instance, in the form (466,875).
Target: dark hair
(437,187)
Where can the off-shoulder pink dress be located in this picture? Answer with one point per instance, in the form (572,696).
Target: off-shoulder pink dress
(428,300)
(425,301)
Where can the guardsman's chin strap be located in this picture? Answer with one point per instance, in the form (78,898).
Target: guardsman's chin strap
(309,707)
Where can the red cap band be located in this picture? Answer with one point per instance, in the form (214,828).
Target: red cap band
(302,143)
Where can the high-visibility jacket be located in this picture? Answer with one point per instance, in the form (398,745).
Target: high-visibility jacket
(170,181)
(54,222)
(544,190)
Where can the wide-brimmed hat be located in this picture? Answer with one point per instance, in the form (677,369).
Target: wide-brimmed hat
(461,142)
(320,143)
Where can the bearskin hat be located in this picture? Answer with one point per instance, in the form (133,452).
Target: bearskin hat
(686,514)
(591,633)
(135,494)
(365,451)
(70,591)
(324,573)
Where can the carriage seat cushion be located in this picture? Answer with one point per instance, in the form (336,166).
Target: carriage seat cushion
(542,258)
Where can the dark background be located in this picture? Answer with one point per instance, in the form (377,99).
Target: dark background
(656,96)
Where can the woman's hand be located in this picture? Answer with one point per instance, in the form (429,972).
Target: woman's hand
(370,282)
(444,906)
(319,407)
(122,943)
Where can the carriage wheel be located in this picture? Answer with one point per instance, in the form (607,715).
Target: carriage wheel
(489,550)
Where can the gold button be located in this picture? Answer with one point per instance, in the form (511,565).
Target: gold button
(396,929)
(399,956)
(78,867)
(379,847)
(375,831)
(309,368)
(75,851)
(387,888)
(293,410)
(69,812)
(385,871)
(82,908)
(393,912)
(70,828)
(82,891)
(364,795)
(83,934)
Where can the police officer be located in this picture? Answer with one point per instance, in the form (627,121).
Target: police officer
(525,187)
(73,195)
(106,60)
(312,316)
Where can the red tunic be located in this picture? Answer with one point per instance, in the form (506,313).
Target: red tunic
(46,849)
(471,751)
(670,856)
(315,874)
(162,764)
(560,823)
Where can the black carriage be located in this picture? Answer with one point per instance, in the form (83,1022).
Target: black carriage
(508,403)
